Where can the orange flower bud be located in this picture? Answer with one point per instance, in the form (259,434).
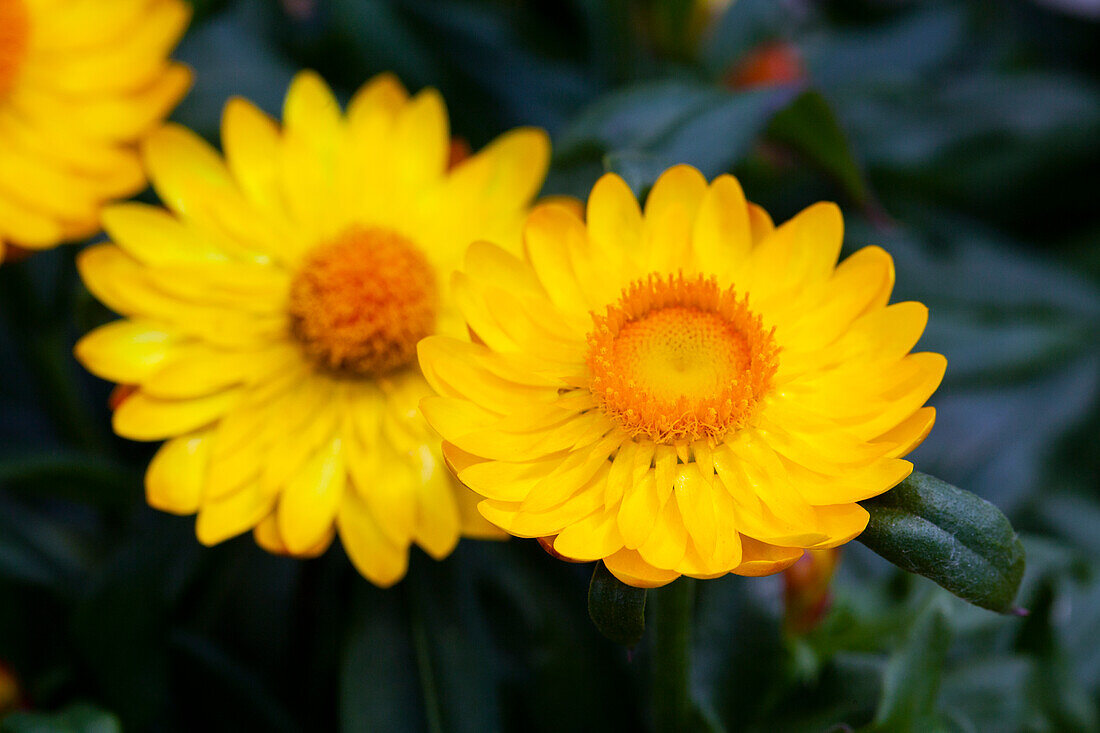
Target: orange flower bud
(767,65)
(11,696)
(806,589)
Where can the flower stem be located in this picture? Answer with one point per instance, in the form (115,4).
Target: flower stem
(672,612)
(422,647)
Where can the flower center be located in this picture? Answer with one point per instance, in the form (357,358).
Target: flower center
(680,359)
(15,27)
(359,304)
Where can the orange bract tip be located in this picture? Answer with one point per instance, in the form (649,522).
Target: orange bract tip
(14,35)
(680,359)
(360,304)
(459,152)
(120,394)
(768,65)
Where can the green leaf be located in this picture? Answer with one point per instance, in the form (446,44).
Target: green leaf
(719,135)
(633,118)
(641,131)
(617,609)
(379,684)
(912,679)
(1054,688)
(639,170)
(119,626)
(233,53)
(420,656)
(809,126)
(41,548)
(957,539)
(84,477)
(79,718)
(744,26)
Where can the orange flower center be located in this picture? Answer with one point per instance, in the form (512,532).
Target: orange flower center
(680,359)
(359,304)
(15,31)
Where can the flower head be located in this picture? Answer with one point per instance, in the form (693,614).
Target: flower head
(272,313)
(80,83)
(684,391)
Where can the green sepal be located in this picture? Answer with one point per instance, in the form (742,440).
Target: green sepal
(959,540)
(617,609)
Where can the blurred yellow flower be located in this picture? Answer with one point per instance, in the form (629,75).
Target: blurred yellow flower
(272,315)
(80,83)
(685,391)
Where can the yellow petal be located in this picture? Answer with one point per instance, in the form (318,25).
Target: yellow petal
(311,110)
(27,228)
(383,94)
(309,422)
(629,567)
(592,538)
(547,238)
(250,139)
(911,433)
(126,351)
(722,234)
(421,138)
(388,487)
(695,500)
(637,515)
(437,520)
(841,523)
(142,417)
(670,213)
(570,474)
(309,502)
(221,519)
(267,536)
(195,370)
(176,476)
(667,543)
(504,175)
(154,236)
(759,558)
(760,223)
(453,370)
(472,524)
(379,560)
(615,223)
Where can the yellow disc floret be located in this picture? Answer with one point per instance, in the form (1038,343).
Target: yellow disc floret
(680,359)
(360,304)
(14,34)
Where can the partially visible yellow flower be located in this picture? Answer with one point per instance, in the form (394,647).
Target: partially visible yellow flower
(684,391)
(80,83)
(272,315)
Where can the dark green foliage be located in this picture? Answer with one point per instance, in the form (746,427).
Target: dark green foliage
(962,542)
(961,136)
(617,609)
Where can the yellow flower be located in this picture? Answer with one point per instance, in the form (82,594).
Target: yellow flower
(80,83)
(272,315)
(688,391)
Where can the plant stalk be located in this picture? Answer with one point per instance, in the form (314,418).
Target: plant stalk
(672,614)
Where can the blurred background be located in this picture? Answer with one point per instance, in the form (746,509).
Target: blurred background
(964,137)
